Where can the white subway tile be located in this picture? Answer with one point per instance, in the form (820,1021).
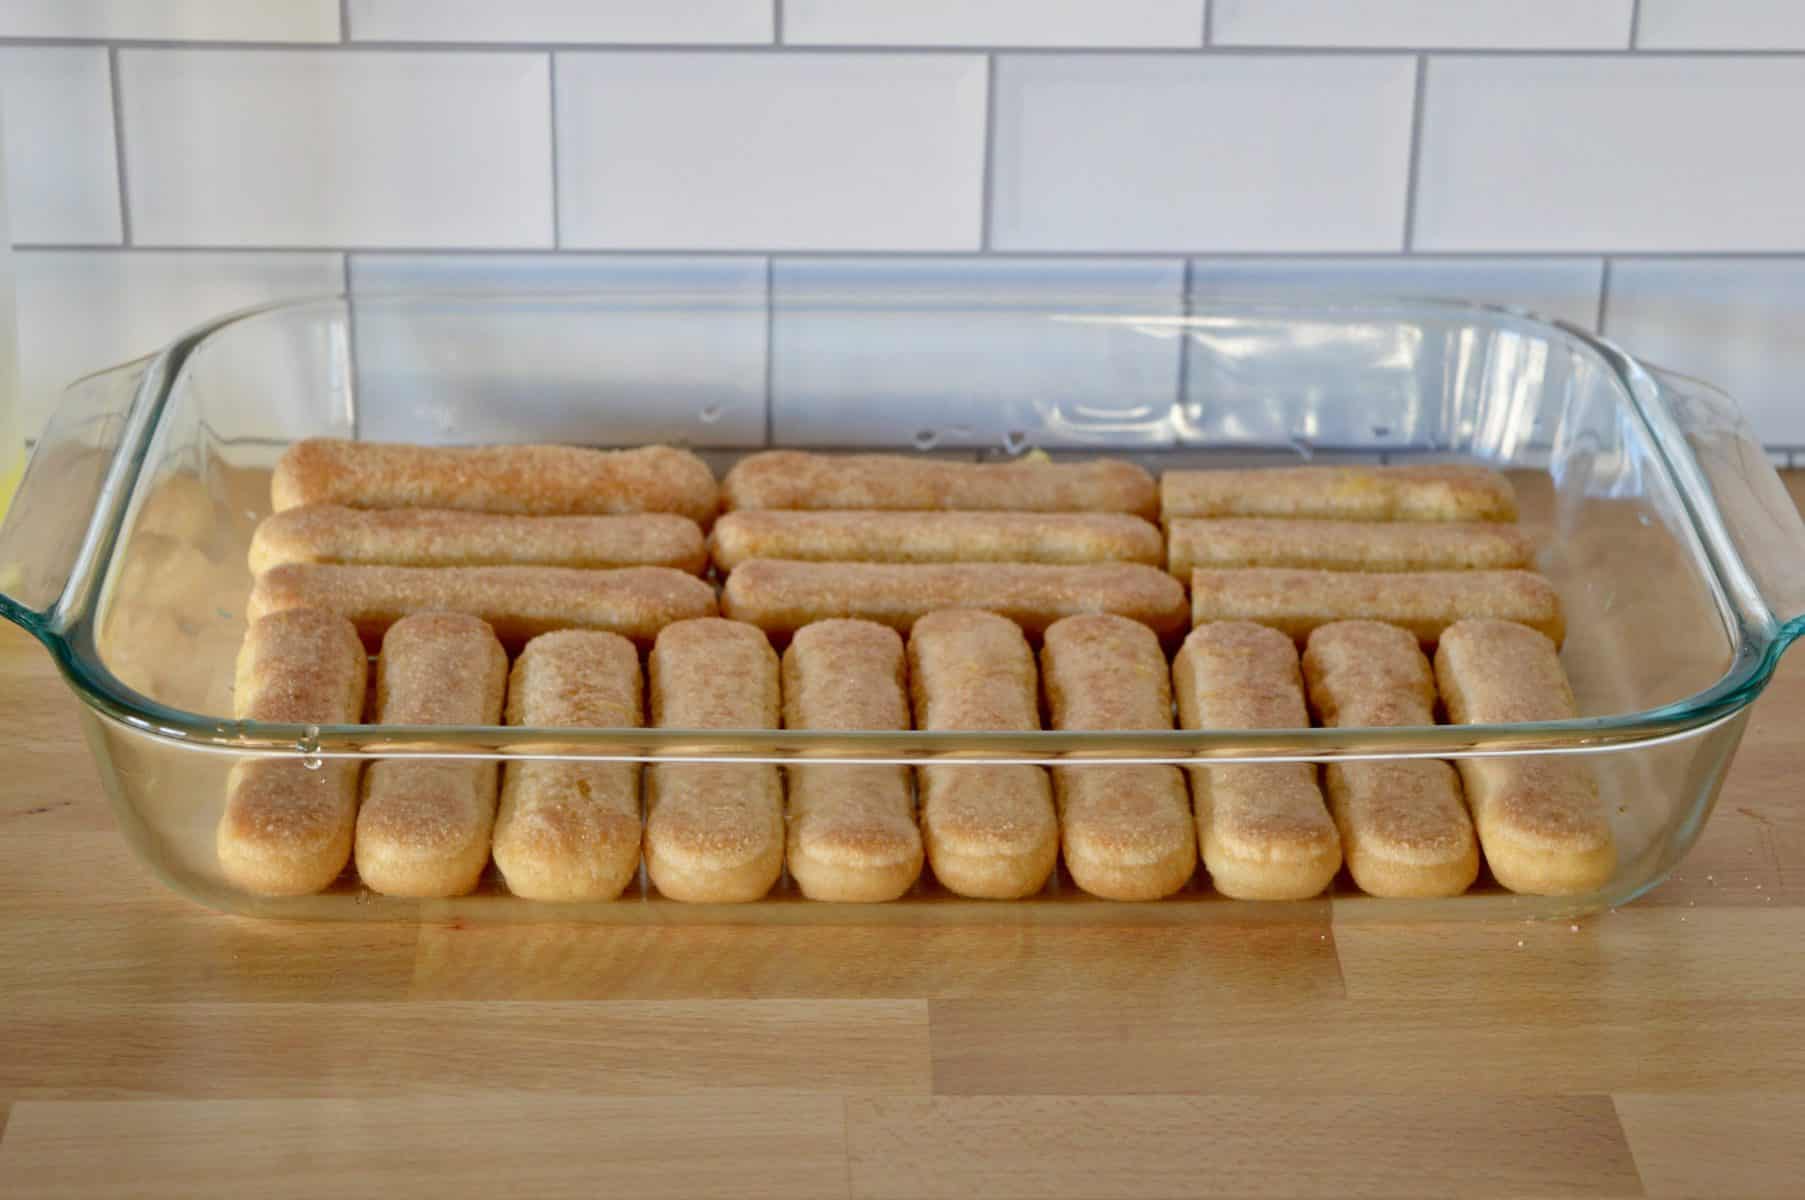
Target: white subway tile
(84,310)
(1591,154)
(1563,289)
(1738,324)
(655,350)
(1722,25)
(1202,152)
(780,151)
(1479,24)
(618,21)
(175,20)
(61,178)
(963,353)
(313,148)
(994,22)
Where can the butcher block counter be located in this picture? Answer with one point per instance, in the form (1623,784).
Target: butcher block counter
(149,1047)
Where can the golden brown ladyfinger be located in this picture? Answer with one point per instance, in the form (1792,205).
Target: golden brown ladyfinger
(287,826)
(520,603)
(852,828)
(781,597)
(934,537)
(798,479)
(1540,820)
(1263,828)
(1424,602)
(568,830)
(539,480)
(990,830)
(1127,831)
(440,537)
(1225,542)
(714,831)
(424,826)
(1404,825)
(1428,493)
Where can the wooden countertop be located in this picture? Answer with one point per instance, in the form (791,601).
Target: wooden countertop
(151,1048)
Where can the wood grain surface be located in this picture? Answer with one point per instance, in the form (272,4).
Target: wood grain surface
(152,1048)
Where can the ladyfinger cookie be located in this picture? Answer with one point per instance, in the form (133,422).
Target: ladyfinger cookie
(538,480)
(1431,493)
(287,827)
(439,537)
(424,826)
(570,830)
(1404,826)
(1424,602)
(852,829)
(1540,820)
(518,602)
(1263,829)
(1127,831)
(781,597)
(798,479)
(1225,542)
(990,831)
(714,831)
(934,537)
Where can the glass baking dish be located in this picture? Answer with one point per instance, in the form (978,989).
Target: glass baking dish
(1675,548)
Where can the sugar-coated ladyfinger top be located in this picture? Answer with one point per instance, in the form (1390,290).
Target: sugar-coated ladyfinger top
(714,831)
(852,829)
(781,597)
(1127,830)
(569,830)
(1424,602)
(990,831)
(286,830)
(934,537)
(1540,819)
(798,479)
(1263,828)
(440,537)
(424,826)
(1404,825)
(1430,493)
(1224,542)
(541,480)
(518,602)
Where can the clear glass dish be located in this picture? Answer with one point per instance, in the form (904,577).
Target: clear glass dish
(1676,550)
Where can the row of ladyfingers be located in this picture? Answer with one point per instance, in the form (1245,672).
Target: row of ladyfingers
(718,832)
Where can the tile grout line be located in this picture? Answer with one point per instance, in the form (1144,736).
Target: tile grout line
(344,21)
(987,198)
(1099,254)
(125,204)
(551,96)
(777,22)
(1209,17)
(1635,23)
(1412,168)
(770,343)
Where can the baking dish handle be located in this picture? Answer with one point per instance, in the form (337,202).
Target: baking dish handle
(1749,509)
(72,486)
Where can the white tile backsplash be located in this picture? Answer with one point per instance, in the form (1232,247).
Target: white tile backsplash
(994,22)
(62,181)
(176,20)
(1563,289)
(623,364)
(1722,25)
(1530,154)
(1737,324)
(617,21)
(1156,152)
(771,151)
(81,311)
(1057,358)
(1479,24)
(298,148)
